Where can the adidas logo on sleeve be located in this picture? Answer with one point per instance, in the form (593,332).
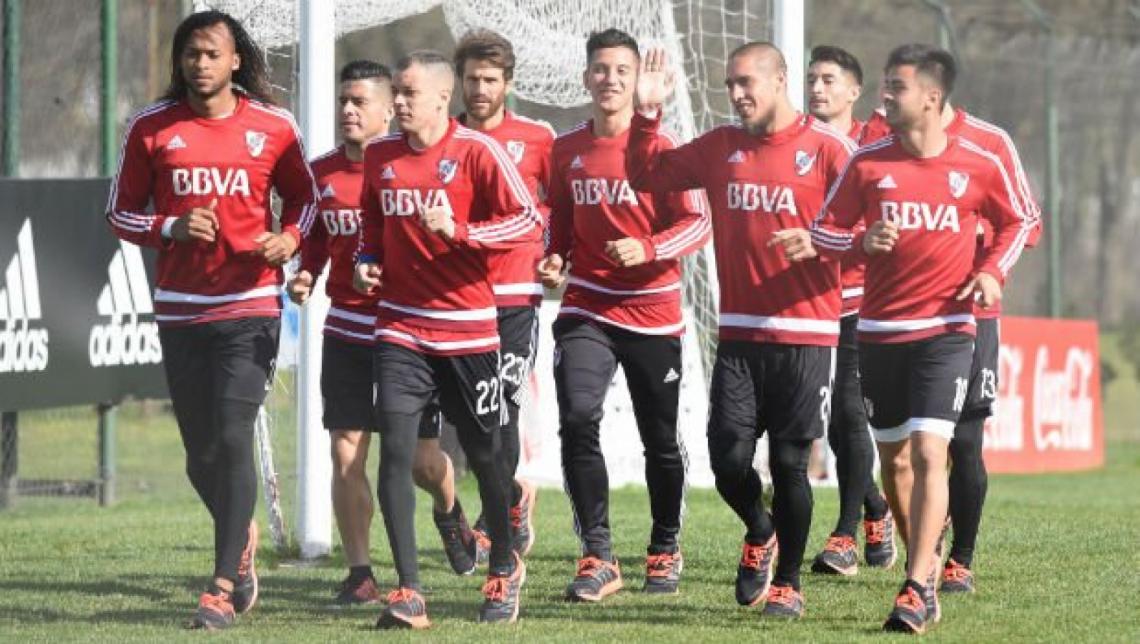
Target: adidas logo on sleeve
(124,339)
(22,347)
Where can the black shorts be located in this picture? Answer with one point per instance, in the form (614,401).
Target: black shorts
(221,360)
(915,386)
(984,371)
(466,389)
(848,336)
(346,385)
(781,389)
(518,338)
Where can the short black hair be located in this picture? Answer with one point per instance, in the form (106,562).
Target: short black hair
(937,64)
(424,58)
(365,70)
(609,39)
(840,56)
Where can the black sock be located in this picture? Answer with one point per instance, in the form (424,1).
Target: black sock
(360,573)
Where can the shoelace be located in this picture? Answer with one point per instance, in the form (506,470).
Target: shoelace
(220,603)
(839,543)
(588,565)
(659,565)
(495,589)
(876,530)
(753,556)
(956,571)
(910,600)
(785,595)
(401,595)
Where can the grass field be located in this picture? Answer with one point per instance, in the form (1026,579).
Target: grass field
(1058,560)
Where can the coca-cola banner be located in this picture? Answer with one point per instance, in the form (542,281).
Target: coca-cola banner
(1048,412)
(76,317)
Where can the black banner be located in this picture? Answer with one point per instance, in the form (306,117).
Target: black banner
(76,316)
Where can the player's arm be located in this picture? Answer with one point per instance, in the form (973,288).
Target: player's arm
(1007,155)
(294,182)
(834,233)
(650,166)
(314,255)
(515,219)
(685,227)
(1012,228)
(561,221)
(131,192)
(370,252)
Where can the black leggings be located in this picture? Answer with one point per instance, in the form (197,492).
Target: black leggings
(968,485)
(850,439)
(588,354)
(792,502)
(468,393)
(217,373)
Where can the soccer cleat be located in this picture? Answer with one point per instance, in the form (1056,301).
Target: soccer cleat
(838,557)
(215,611)
(246,586)
(595,580)
(663,572)
(909,613)
(357,592)
(754,574)
(879,548)
(522,520)
(501,595)
(405,609)
(957,578)
(784,601)
(458,540)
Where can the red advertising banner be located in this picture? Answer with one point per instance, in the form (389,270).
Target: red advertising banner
(1048,414)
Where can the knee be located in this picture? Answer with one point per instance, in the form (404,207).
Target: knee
(348,460)
(731,461)
(927,456)
(896,461)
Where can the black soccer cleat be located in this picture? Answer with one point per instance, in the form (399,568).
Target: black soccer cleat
(502,595)
(458,539)
(784,602)
(754,574)
(879,545)
(215,611)
(909,612)
(246,586)
(957,578)
(837,557)
(595,580)
(663,572)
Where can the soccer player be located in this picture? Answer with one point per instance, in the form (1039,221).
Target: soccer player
(778,320)
(622,306)
(346,365)
(485,62)
(968,480)
(921,194)
(436,197)
(207,157)
(834,81)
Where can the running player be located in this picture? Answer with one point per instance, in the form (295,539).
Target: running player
(778,320)
(968,480)
(207,157)
(921,194)
(622,306)
(436,197)
(346,364)
(834,81)
(486,64)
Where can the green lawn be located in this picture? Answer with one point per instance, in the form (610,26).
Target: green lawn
(1058,561)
